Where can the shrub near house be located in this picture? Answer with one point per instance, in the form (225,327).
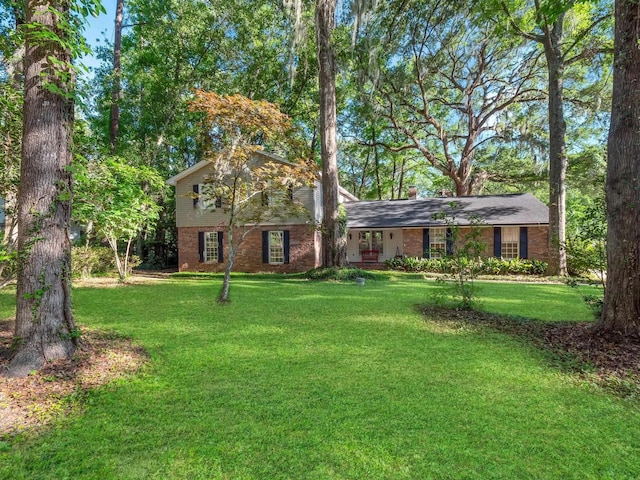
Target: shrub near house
(486,266)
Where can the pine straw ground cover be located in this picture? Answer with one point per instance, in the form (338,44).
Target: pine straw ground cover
(34,401)
(608,360)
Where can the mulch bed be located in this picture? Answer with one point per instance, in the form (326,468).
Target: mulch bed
(611,361)
(27,403)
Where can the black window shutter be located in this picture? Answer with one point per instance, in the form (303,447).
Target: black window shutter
(220,248)
(285,240)
(497,242)
(265,247)
(449,241)
(201,246)
(524,242)
(218,202)
(196,190)
(425,243)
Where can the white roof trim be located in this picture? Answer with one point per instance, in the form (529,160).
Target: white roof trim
(176,178)
(347,194)
(203,163)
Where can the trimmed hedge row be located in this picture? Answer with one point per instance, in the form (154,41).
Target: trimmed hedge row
(484,266)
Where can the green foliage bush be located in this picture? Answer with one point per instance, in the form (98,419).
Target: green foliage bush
(587,237)
(595,303)
(87,261)
(335,273)
(485,266)
(585,256)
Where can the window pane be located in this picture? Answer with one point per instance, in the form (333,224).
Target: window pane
(377,241)
(276,247)
(438,234)
(510,242)
(509,250)
(510,234)
(437,242)
(364,241)
(211,247)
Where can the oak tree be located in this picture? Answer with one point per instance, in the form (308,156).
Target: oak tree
(445,84)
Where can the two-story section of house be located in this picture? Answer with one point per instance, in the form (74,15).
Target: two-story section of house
(281,245)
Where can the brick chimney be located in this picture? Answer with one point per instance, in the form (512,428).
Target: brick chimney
(413,192)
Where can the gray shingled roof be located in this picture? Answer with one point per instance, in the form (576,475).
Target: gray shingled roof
(515,209)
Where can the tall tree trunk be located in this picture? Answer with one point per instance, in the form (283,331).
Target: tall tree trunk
(463,187)
(377,164)
(557,150)
(358,191)
(44,320)
(551,40)
(401,177)
(115,89)
(621,312)
(335,253)
(393,179)
(231,257)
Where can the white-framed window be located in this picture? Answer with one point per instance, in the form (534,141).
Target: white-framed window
(370,240)
(276,247)
(510,242)
(211,247)
(437,242)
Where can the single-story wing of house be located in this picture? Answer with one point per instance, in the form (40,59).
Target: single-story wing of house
(512,226)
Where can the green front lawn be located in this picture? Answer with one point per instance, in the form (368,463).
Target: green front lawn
(298,379)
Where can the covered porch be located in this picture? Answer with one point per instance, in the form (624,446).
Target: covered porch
(372,247)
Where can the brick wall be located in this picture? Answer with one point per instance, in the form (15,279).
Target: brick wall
(412,242)
(305,248)
(539,243)
(538,239)
(303,254)
(486,237)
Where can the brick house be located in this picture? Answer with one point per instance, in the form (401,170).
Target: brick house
(514,226)
(283,245)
